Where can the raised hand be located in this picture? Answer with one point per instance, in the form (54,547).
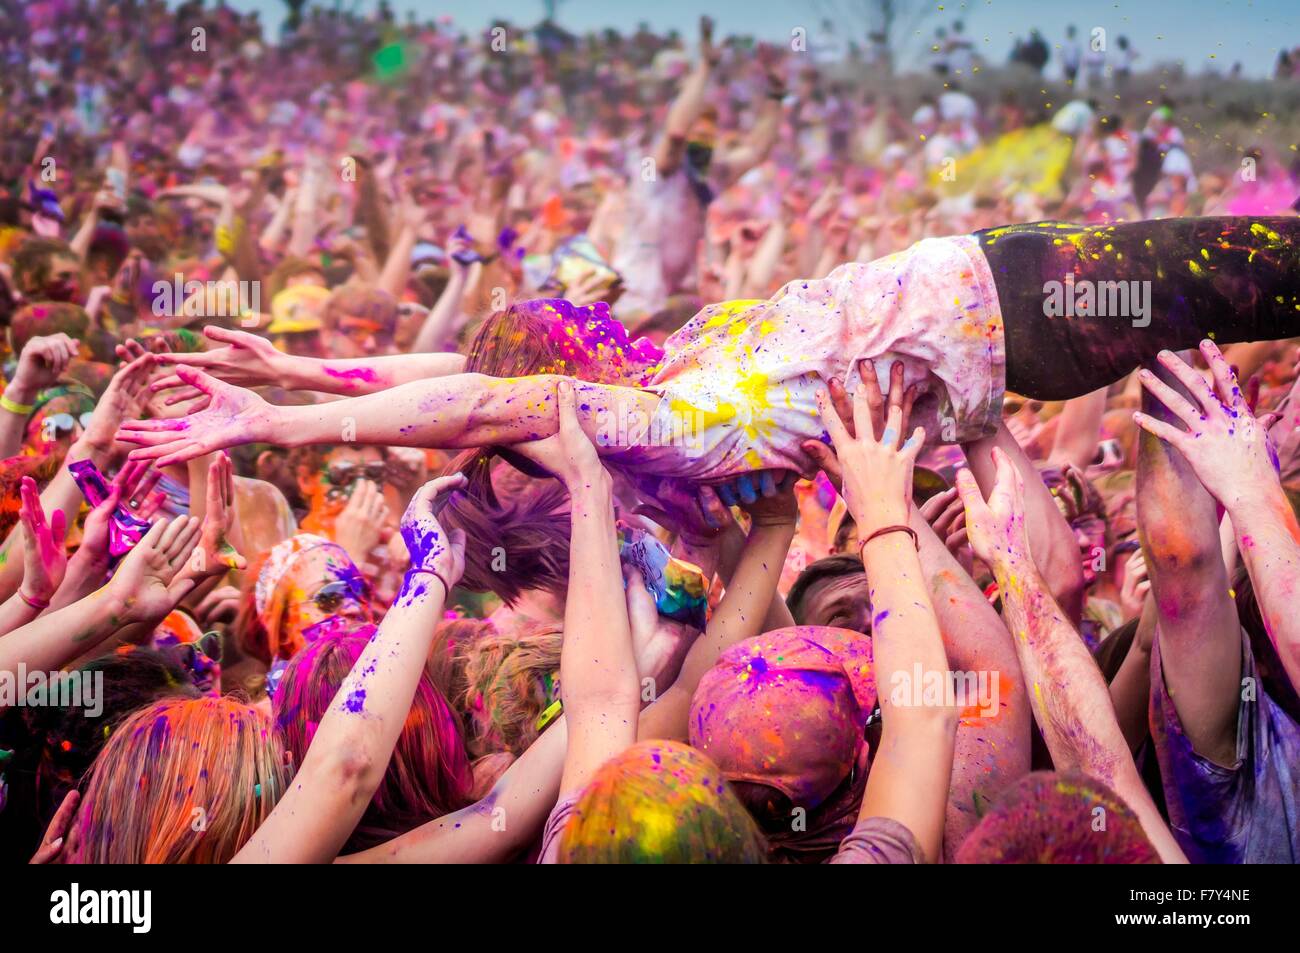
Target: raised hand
(876,471)
(215,554)
(52,843)
(432,549)
(45,559)
(569,455)
(226,417)
(246,359)
(1227,448)
(42,361)
(150,582)
(126,396)
(997,528)
(899,397)
(947,517)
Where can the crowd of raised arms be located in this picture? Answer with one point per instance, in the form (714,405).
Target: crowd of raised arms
(384,483)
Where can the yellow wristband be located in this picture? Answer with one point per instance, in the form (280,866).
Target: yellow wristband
(22,410)
(550,713)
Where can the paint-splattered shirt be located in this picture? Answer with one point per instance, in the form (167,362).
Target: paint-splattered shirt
(1242,814)
(874,840)
(739,381)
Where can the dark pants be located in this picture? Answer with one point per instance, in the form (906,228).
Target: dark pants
(1083,306)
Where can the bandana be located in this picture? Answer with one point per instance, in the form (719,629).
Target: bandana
(278,563)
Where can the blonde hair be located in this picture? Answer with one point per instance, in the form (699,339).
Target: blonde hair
(182,781)
(509,681)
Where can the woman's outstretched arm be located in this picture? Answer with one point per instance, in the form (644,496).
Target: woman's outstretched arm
(350,752)
(455,412)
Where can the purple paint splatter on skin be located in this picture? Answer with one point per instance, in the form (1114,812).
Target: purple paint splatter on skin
(879,618)
(355,702)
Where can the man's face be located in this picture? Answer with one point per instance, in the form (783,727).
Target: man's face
(841,601)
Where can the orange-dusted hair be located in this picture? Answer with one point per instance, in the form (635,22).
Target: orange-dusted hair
(506,687)
(182,781)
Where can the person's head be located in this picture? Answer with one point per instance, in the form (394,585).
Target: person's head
(1050,818)
(552,336)
(71,736)
(784,716)
(301,589)
(660,802)
(360,322)
(47,269)
(293,272)
(59,418)
(532,528)
(186,780)
(43,318)
(429,773)
(1085,510)
(511,681)
(833,592)
(326,476)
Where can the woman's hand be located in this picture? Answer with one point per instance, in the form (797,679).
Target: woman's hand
(215,555)
(40,365)
(45,559)
(149,582)
(126,396)
(225,416)
(1227,448)
(246,360)
(900,397)
(432,549)
(52,843)
(947,517)
(569,455)
(996,528)
(876,470)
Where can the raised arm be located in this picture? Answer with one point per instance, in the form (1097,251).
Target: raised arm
(1071,701)
(1230,453)
(1198,631)
(354,743)
(602,691)
(910,773)
(687,106)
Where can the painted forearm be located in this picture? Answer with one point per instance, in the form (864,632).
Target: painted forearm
(1269,540)
(369,375)
(1070,699)
(54,639)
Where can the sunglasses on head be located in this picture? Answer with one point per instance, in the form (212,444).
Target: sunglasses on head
(345,474)
(55,424)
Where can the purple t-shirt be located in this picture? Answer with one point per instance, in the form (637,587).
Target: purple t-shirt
(875,840)
(1242,814)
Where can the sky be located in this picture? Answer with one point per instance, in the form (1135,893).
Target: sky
(1200,33)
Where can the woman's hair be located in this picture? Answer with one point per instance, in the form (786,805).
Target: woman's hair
(509,681)
(452,642)
(429,773)
(509,548)
(1050,818)
(660,802)
(182,781)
